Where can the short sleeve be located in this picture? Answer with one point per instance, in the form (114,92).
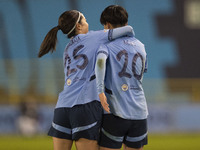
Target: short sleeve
(103,50)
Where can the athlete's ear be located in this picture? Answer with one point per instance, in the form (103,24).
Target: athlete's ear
(109,25)
(78,26)
(106,26)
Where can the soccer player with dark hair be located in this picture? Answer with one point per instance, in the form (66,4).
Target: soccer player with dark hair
(119,70)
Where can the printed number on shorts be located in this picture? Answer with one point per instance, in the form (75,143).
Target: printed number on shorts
(76,57)
(123,72)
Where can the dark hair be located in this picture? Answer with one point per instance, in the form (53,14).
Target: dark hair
(115,15)
(66,22)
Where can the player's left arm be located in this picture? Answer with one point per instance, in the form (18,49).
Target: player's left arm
(100,69)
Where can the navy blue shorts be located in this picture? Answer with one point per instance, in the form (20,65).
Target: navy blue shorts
(116,130)
(80,121)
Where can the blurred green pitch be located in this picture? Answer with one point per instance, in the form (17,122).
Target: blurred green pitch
(179,141)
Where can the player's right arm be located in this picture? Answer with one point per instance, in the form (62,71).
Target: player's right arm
(120,32)
(109,35)
(100,69)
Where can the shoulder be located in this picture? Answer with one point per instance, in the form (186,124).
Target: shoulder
(116,42)
(132,41)
(94,35)
(99,32)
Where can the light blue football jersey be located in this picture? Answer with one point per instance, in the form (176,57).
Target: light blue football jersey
(125,64)
(79,62)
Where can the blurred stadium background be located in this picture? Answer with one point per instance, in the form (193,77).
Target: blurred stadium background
(170,30)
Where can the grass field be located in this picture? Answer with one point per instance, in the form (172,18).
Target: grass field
(156,142)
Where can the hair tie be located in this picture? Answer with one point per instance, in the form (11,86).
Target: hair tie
(79,15)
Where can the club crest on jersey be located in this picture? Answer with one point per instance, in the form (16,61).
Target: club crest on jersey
(124,87)
(69,81)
